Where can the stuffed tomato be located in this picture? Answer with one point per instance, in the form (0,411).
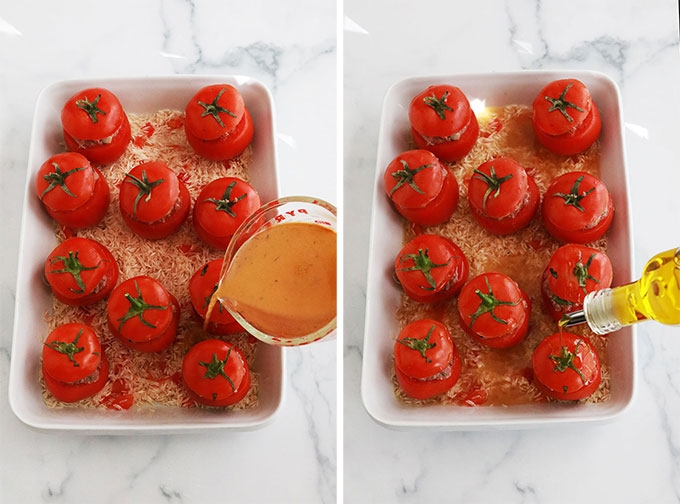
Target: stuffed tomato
(72,191)
(202,286)
(420,188)
(221,207)
(74,365)
(494,310)
(95,125)
(565,118)
(503,197)
(154,202)
(431,268)
(217,122)
(142,314)
(216,373)
(577,207)
(81,271)
(573,271)
(443,122)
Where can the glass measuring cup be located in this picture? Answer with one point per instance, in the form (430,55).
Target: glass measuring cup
(278,279)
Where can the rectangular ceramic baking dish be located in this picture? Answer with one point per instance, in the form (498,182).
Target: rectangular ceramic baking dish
(383,295)
(137,95)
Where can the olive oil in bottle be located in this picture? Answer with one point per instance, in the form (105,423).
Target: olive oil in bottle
(655,296)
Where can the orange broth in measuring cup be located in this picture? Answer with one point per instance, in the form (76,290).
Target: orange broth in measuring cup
(283,279)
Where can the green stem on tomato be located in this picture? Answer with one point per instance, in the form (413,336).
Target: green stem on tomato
(137,308)
(57,178)
(561,104)
(420,345)
(70,349)
(214,109)
(91,108)
(215,368)
(144,185)
(423,263)
(438,104)
(74,267)
(493,182)
(406,176)
(573,197)
(488,304)
(225,204)
(565,360)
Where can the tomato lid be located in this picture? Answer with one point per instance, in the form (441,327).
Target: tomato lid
(92,114)
(492,305)
(437,252)
(65,181)
(440,111)
(423,349)
(214,111)
(576,201)
(575,270)
(76,267)
(149,191)
(561,106)
(224,204)
(414,178)
(498,188)
(71,352)
(140,309)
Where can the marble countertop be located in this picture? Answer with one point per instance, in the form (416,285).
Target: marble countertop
(291,47)
(636,457)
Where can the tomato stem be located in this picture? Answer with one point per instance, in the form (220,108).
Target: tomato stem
(561,104)
(488,304)
(91,108)
(214,109)
(582,274)
(406,176)
(74,267)
(423,263)
(565,360)
(144,185)
(68,349)
(57,178)
(137,308)
(226,203)
(492,181)
(420,345)
(573,198)
(438,104)
(215,368)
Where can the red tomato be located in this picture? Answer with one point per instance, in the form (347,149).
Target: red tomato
(426,361)
(73,364)
(566,367)
(565,118)
(72,191)
(96,125)
(81,271)
(577,207)
(443,122)
(217,123)
(221,207)
(421,189)
(142,314)
(502,196)
(431,268)
(494,310)
(202,286)
(215,373)
(572,272)
(153,201)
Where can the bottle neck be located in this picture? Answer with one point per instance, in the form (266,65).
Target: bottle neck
(600,312)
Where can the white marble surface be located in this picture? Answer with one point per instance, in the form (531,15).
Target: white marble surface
(291,47)
(636,458)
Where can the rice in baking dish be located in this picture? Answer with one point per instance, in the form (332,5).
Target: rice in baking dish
(504,375)
(154,378)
